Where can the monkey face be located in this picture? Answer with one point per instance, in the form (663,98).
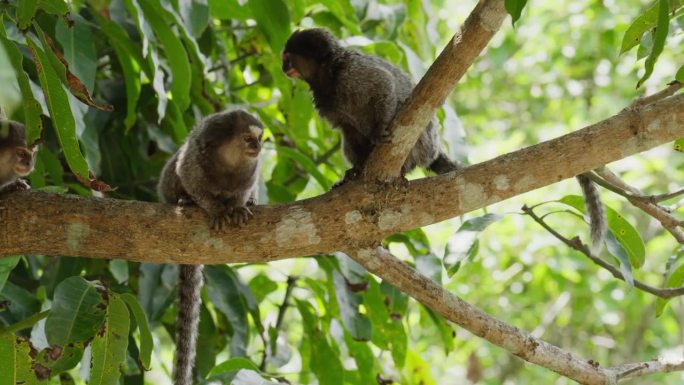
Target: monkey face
(24,161)
(251,141)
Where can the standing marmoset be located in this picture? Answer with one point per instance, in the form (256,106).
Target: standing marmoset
(16,159)
(216,168)
(358,94)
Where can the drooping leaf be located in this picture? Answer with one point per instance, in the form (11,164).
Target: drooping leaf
(109,345)
(325,361)
(232,365)
(273,19)
(146,342)
(464,244)
(623,231)
(26,9)
(55,7)
(618,251)
(32,109)
(6,266)
(60,112)
(79,50)
(77,312)
(676,279)
(661,31)
(645,22)
(226,297)
(514,8)
(358,325)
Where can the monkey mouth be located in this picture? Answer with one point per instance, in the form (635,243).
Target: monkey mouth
(22,170)
(293,73)
(252,153)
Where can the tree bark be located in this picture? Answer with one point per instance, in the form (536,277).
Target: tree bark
(357,215)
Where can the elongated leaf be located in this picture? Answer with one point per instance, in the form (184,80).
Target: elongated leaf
(273,19)
(658,40)
(645,22)
(79,50)
(174,50)
(146,342)
(307,164)
(621,229)
(31,107)
(7,264)
(358,325)
(676,279)
(18,366)
(55,7)
(514,8)
(232,365)
(325,362)
(615,248)
(19,303)
(227,298)
(679,76)
(60,112)
(77,312)
(464,244)
(26,9)
(109,345)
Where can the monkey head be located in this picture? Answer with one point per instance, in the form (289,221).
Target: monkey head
(16,159)
(306,50)
(235,136)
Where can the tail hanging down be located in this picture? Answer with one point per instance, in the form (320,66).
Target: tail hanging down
(189,301)
(597,215)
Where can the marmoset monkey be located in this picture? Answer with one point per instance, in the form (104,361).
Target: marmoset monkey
(358,94)
(16,159)
(216,168)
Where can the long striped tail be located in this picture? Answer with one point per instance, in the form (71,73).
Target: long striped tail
(597,215)
(189,301)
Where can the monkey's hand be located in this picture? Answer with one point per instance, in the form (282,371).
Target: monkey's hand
(17,185)
(349,176)
(240,215)
(251,202)
(380,136)
(220,221)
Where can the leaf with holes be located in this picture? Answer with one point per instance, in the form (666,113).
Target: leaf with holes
(109,345)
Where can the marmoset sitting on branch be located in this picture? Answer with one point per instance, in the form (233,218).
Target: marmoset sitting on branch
(358,94)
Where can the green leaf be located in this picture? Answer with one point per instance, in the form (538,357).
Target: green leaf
(325,361)
(18,366)
(629,238)
(229,9)
(7,264)
(60,111)
(78,310)
(464,244)
(358,326)
(61,358)
(615,248)
(79,50)
(261,286)
(514,8)
(232,365)
(273,19)
(679,145)
(31,107)
(307,164)
(175,53)
(680,74)
(26,9)
(22,303)
(130,60)
(146,342)
(55,7)
(641,24)
(227,298)
(109,345)
(676,279)
(658,40)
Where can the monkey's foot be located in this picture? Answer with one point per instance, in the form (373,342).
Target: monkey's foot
(251,202)
(17,185)
(240,215)
(349,176)
(220,221)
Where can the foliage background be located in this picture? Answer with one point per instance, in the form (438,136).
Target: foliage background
(163,65)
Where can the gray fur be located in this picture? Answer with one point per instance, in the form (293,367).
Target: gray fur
(214,170)
(359,94)
(597,215)
(16,159)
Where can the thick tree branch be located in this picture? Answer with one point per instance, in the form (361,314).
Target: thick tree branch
(356,214)
(386,160)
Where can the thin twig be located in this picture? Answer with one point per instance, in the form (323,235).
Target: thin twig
(291,280)
(577,244)
(667,220)
(650,99)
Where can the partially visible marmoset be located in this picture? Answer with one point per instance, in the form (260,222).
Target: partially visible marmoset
(16,159)
(216,168)
(597,215)
(358,94)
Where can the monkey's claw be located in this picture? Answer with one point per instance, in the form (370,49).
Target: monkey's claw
(219,221)
(240,215)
